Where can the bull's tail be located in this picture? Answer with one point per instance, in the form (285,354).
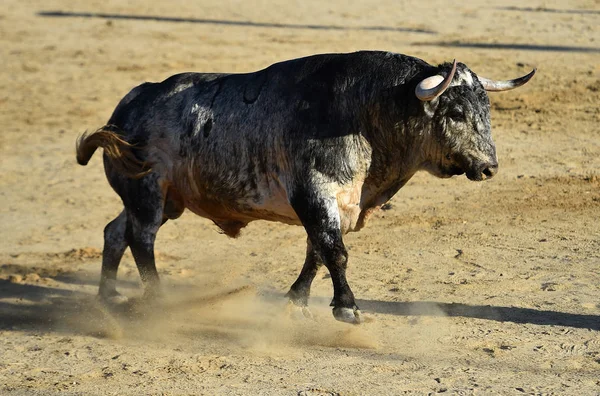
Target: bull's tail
(119,151)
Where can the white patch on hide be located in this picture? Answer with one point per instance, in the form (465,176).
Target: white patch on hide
(464,78)
(180,88)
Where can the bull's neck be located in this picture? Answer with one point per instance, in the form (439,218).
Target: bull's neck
(399,141)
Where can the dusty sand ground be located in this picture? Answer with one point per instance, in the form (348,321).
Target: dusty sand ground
(472,287)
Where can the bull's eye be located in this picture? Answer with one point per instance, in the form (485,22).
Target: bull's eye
(456,115)
(448,156)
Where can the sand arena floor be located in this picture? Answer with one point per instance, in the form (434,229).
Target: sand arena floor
(471,287)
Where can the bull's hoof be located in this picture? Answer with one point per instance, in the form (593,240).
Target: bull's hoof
(299,312)
(348,315)
(114,299)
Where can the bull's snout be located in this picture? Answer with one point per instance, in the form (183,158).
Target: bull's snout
(483,171)
(490,170)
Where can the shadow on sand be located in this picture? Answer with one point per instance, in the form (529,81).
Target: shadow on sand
(66,14)
(488,312)
(34,307)
(41,308)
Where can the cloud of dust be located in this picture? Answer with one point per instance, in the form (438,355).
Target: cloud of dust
(232,316)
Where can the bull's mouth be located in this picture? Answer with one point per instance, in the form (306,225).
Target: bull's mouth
(475,172)
(474,175)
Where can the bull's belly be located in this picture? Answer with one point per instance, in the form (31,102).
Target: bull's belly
(231,219)
(233,211)
(232,214)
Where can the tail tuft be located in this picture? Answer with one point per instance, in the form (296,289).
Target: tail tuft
(118,150)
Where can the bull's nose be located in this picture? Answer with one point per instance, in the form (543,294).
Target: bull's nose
(490,170)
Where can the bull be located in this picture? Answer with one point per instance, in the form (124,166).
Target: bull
(321,142)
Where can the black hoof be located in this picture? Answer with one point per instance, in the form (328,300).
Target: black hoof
(347,315)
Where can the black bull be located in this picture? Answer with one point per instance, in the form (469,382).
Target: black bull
(321,142)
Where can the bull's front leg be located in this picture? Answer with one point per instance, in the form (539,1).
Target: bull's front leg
(300,290)
(321,219)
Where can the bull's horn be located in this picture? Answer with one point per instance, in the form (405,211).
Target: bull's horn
(432,87)
(497,86)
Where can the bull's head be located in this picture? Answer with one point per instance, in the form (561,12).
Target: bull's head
(458,109)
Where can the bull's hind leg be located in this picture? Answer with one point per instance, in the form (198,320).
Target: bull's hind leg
(144,206)
(300,290)
(114,247)
(320,217)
